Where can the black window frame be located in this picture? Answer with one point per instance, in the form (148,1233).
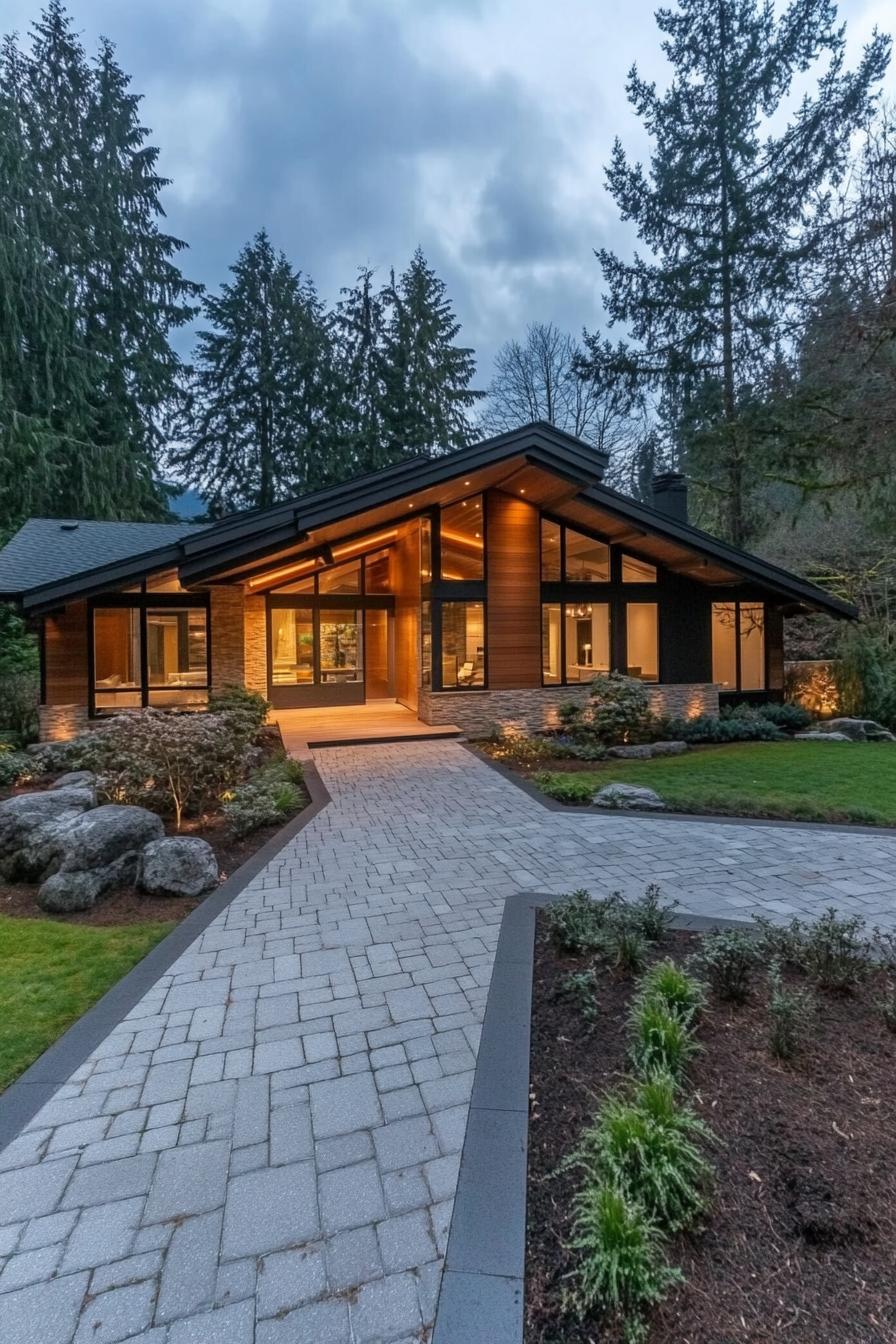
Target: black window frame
(737,602)
(143,601)
(439,591)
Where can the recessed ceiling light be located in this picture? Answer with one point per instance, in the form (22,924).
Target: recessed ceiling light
(466,482)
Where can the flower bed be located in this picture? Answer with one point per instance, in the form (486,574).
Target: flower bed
(791,1235)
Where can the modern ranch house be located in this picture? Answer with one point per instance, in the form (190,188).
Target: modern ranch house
(480,589)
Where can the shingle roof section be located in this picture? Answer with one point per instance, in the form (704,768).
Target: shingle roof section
(46,550)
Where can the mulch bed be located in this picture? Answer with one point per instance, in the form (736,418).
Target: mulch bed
(799,1245)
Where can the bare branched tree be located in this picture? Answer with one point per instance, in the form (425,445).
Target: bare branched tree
(538,379)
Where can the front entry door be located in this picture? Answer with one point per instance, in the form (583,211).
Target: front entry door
(330,651)
(379,672)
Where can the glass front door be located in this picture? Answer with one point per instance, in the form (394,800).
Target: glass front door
(333,654)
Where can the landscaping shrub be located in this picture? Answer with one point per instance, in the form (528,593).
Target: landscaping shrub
(886,1003)
(779,942)
(517,749)
(661,1040)
(835,952)
(790,1016)
(657,1164)
(12,765)
(245,704)
(792,718)
(727,959)
(565,788)
(746,726)
(866,673)
(19,677)
(267,798)
(177,764)
(576,922)
(581,988)
(621,1269)
(671,986)
(618,710)
(624,944)
(650,914)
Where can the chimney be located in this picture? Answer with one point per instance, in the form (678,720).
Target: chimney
(670,495)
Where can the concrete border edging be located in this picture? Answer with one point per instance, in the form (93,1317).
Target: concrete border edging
(33,1089)
(482,1295)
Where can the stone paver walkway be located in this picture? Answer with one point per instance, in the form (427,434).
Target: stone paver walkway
(266,1148)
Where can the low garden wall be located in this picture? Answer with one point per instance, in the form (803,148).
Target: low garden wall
(481,713)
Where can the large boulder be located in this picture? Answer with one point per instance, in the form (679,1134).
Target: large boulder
(628,796)
(179,865)
(857,730)
(100,837)
(815,735)
(66,893)
(23,816)
(75,779)
(631,752)
(669,748)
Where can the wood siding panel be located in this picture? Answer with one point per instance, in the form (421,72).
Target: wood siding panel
(65,656)
(514,592)
(406,577)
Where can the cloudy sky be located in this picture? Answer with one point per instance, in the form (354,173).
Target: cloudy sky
(355,129)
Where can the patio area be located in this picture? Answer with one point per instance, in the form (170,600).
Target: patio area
(343,725)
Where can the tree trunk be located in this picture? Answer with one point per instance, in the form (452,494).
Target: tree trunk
(736,527)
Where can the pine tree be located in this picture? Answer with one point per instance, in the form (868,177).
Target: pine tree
(726,209)
(90,287)
(262,423)
(428,376)
(360,325)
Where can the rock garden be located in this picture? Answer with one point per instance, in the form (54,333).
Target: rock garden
(771,760)
(153,804)
(711,1153)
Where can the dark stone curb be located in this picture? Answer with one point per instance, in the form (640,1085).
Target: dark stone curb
(714,818)
(23,1098)
(482,1296)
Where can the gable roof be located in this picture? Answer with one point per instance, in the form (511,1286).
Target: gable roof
(50,561)
(48,550)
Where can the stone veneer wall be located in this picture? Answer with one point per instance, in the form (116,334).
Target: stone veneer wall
(60,723)
(481,713)
(239,639)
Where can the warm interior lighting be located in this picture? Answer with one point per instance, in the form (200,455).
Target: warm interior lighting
(475,543)
(287,572)
(366,543)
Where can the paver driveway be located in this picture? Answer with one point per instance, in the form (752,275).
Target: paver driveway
(267,1147)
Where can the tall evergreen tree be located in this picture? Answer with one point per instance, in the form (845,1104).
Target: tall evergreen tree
(428,375)
(360,329)
(91,288)
(264,420)
(726,209)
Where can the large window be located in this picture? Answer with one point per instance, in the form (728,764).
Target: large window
(462,533)
(550,551)
(463,644)
(177,656)
(551,645)
(149,655)
(426,645)
(117,658)
(341,579)
(642,640)
(587,560)
(637,571)
(738,646)
(587,640)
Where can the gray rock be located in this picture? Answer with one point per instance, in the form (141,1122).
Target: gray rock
(102,836)
(179,865)
(65,893)
(26,813)
(815,735)
(75,779)
(669,748)
(858,730)
(631,753)
(628,796)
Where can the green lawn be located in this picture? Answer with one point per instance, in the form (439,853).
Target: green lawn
(51,973)
(812,781)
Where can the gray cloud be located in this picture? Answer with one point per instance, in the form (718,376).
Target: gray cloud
(356,129)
